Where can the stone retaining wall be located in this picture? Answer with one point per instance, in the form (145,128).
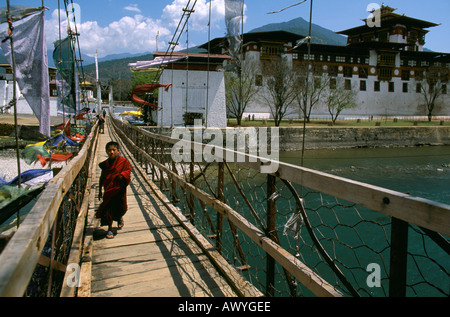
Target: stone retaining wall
(353,137)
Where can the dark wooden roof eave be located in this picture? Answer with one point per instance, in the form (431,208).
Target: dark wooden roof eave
(273,36)
(389,20)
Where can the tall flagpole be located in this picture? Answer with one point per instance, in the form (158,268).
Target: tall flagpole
(307,81)
(99,90)
(14,100)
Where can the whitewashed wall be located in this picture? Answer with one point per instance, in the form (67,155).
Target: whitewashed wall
(173,102)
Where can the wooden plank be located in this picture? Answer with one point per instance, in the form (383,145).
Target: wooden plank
(299,270)
(180,279)
(150,251)
(142,236)
(422,212)
(77,243)
(242,287)
(85,278)
(19,258)
(425,213)
(152,255)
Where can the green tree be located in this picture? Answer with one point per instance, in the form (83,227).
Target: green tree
(240,89)
(280,90)
(432,88)
(339,96)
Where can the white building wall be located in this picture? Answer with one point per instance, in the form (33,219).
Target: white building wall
(369,103)
(173,102)
(6,94)
(385,103)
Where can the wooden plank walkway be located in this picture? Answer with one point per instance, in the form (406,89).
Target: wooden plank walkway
(153,255)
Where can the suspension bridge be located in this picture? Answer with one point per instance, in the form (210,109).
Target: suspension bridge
(222,230)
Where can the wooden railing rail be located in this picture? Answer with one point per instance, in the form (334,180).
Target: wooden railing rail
(404,210)
(24,251)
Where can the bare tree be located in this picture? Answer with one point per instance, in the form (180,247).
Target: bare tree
(240,89)
(310,87)
(280,92)
(432,87)
(339,96)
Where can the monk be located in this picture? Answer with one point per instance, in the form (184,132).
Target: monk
(115,177)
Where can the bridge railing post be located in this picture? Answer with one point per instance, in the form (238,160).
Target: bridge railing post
(270,232)
(398,258)
(221,197)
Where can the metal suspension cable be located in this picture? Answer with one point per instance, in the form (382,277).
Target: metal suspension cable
(208,65)
(14,100)
(60,60)
(77,62)
(187,66)
(177,35)
(307,82)
(79,53)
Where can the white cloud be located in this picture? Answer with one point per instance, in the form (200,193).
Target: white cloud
(138,33)
(200,18)
(133,7)
(127,35)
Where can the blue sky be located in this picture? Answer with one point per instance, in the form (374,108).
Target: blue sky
(131,26)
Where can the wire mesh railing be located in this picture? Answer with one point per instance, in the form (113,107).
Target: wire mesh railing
(34,262)
(349,238)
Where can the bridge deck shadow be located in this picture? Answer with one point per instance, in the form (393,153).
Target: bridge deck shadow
(152,255)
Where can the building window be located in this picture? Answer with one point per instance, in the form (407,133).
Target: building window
(258,80)
(295,56)
(405,74)
(332,71)
(348,71)
(376,86)
(363,72)
(311,57)
(348,84)
(269,51)
(391,86)
(385,73)
(332,83)
(340,59)
(362,85)
(386,60)
(419,74)
(418,88)
(405,87)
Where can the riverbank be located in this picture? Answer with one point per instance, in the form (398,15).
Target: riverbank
(291,138)
(28,130)
(362,137)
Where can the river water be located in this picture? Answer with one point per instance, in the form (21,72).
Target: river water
(420,171)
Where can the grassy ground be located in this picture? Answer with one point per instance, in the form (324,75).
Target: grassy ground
(342,123)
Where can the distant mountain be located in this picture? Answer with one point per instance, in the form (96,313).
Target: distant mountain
(300,26)
(88,60)
(114,68)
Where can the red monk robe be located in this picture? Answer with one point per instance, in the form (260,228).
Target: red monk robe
(115,177)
